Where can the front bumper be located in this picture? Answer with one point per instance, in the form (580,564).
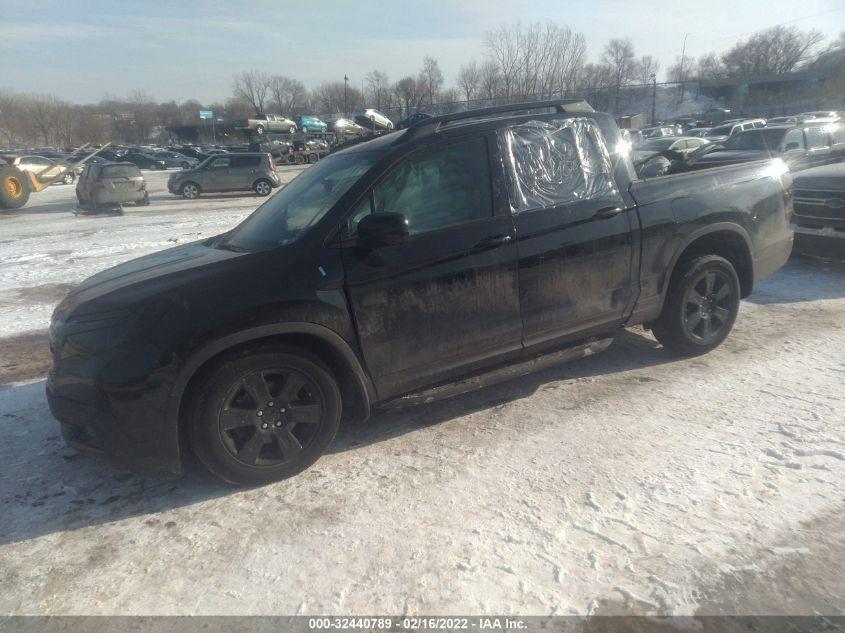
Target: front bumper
(115,404)
(821,242)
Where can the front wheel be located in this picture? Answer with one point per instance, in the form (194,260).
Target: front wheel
(190,190)
(68,179)
(259,129)
(265,414)
(700,308)
(292,129)
(185,165)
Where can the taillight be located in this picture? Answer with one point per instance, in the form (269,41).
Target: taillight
(270,162)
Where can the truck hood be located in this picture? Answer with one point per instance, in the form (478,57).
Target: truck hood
(830,177)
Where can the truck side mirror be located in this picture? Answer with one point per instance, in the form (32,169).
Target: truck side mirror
(382,229)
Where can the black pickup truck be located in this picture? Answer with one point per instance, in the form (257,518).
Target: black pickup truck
(461,251)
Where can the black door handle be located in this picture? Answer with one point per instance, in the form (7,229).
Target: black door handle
(492,241)
(607,212)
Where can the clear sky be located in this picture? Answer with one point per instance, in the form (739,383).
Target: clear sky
(180,49)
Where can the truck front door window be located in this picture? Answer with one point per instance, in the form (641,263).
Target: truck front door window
(439,187)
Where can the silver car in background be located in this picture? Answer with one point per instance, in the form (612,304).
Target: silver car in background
(373,119)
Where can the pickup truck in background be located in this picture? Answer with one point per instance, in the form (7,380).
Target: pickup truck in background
(462,251)
(819,218)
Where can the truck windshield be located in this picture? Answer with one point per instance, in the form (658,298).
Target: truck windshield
(296,208)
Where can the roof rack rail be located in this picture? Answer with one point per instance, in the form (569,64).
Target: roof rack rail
(432,125)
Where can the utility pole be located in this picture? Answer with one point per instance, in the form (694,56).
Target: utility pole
(653,99)
(345,102)
(683,58)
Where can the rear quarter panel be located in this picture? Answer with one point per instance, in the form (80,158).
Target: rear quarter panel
(676,210)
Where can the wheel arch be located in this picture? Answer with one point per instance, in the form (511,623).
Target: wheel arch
(357,390)
(725,239)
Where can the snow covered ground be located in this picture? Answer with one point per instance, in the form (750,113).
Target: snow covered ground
(625,482)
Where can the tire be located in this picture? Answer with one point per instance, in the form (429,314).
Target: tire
(701,306)
(247,428)
(190,190)
(300,159)
(185,165)
(292,129)
(390,125)
(263,187)
(312,158)
(68,179)
(259,129)
(14,188)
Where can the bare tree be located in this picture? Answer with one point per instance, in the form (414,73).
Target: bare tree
(541,60)
(430,79)
(378,89)
(709,67)
(332,98)
(773,51)
(409,94)
(489,80)
(619,56)
(252,86)
(286,95)
(469,76)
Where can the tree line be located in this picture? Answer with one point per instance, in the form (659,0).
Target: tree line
(536,61)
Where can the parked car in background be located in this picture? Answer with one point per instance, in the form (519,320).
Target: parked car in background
(698,132)
(263,123)
(45,168)
(800,147)
(819,211)
(311,124)
(229,172)
(412,119)
(373,119)
(347,127)
(403,270)
(819,115)
(175,159)
(782,120)
(142,160)
(659,131)
(677,145)
(721,132)
(109,185)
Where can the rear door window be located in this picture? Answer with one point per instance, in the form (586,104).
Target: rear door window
(220,163)
(245,161)
(558,162)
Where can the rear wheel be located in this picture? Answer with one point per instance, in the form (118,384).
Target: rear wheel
(292,129)
(265,414)
(14,189)
(701,306)
(259,129)
(190,190)
(68,178)
(263,187)
(312,158)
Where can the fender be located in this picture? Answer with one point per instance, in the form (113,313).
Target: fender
(701,232)
(203,354)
